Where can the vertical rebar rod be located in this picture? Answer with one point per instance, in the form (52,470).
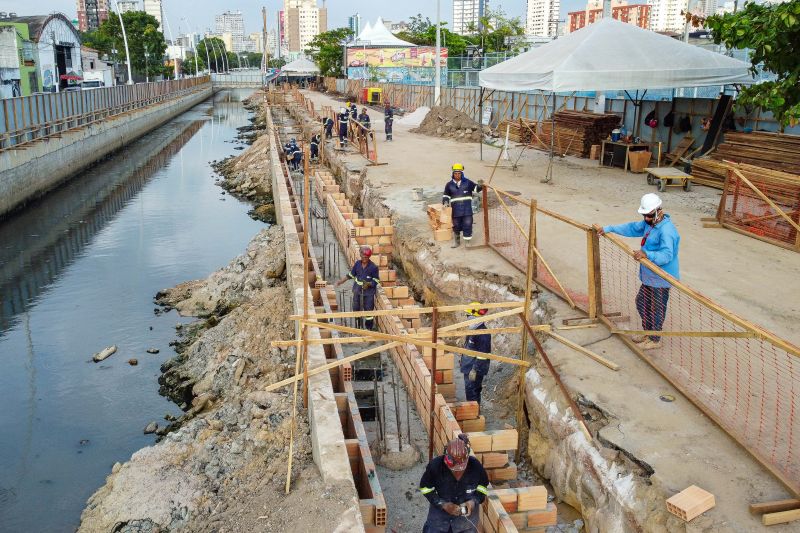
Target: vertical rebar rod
(397,411)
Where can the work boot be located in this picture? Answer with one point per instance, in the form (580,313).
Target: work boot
(456,240)
(638,339)
(650,344)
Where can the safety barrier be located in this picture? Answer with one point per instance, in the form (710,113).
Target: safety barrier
(743,377)
(358,135)
(29,118)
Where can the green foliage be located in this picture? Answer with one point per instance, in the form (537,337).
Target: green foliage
(143,35)
(326,50)
(492,30)
(772,32)
(276,62)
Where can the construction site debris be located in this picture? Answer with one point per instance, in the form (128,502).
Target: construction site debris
(447,121)
(690,503)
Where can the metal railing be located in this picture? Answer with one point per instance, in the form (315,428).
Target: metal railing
(31,118)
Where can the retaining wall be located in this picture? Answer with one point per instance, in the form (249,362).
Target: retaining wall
(36,167)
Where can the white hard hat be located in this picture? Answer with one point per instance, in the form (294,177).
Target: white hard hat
(650,202)
(343,110)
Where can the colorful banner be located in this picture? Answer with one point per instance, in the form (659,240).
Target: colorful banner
(413,75)
(413,56)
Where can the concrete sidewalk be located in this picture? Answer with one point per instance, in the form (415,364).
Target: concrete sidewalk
(753,279)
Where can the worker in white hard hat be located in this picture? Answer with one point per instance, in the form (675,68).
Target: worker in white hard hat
(344,119)
(660,242)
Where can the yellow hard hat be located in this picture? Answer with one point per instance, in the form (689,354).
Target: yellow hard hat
(458,167)
(475,309)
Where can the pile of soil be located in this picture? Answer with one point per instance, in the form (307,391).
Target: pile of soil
(448,122)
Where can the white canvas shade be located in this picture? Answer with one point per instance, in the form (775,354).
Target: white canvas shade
(301,66)
(378,35)
(611,55)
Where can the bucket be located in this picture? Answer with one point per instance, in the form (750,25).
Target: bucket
(416,193)
(615,134)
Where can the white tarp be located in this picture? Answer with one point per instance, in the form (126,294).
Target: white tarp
(378,35)
(611,55)
(301,65)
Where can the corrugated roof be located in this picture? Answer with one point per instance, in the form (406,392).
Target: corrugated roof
(36,24)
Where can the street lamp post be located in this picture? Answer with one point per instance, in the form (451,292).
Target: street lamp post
(437,84)
(146,66)
(125,40)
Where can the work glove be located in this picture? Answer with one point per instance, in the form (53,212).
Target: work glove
(368,285)
(473,375)
(446,203)
(480,182)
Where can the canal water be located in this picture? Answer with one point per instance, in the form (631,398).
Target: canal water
(78,271)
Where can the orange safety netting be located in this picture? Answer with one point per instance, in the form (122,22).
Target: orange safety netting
(748,385)
(744,209)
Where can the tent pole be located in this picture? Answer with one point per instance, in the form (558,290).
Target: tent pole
(480,119)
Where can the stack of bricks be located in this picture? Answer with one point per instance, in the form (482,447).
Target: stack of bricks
(518,509)
(441,220)
(445,365)
(491,448)
(469,416)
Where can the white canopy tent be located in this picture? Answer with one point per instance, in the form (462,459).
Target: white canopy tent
(612,55)
(377,35)
(301,66)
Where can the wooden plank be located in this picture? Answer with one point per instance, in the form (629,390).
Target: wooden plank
(775,506)
(783,517)
(578,348)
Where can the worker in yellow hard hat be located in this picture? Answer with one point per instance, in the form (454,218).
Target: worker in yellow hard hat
(458,195)
(475,368)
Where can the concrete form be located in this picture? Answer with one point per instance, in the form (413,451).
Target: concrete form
(35,168)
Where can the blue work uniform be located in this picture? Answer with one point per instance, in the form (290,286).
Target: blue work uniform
(315,140)
(344,119)
(459,197)
(388,120)
(328,128)
(439,486)
(479,343)
(660,243)
(354,111)
(297,158)
(363,118)
(364,297)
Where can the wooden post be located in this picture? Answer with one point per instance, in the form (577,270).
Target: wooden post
(485,201)
(306,202)
(530,273)
(595,280)
(434,337)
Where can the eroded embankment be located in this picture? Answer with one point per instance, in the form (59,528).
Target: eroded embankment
(222,465)
(611,489)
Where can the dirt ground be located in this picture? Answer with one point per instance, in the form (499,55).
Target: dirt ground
(676,439)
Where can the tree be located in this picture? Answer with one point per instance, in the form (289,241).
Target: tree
(492,30)
(772,33)
(326,50)
(145,42)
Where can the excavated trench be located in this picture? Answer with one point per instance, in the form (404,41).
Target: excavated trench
(609,486)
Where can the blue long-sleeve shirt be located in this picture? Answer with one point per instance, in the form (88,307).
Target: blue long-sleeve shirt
(661,247)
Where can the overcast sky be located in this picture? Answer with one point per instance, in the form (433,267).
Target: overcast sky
(199,14)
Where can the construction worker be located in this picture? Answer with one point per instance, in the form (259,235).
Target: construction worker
(365,283)
(363,118)
(660,243)
(314,144)
(297,158)
(388,120)
(344,119)
(328,122)
(458,195)
(455,484)
(353,110)
(476,368)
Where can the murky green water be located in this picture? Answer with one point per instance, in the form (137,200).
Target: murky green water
(78,271)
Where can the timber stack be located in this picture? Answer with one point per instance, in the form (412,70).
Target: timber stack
(770,151)
(577,131)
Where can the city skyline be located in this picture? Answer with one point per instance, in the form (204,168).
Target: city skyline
(200,13)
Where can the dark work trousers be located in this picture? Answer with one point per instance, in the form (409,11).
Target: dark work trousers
(368,302)
(342,133)
(464,225)
(314,151)
(651,302)
(388,128)
(472,389)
